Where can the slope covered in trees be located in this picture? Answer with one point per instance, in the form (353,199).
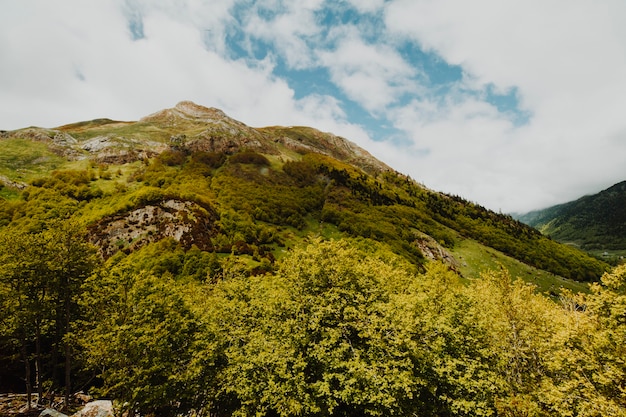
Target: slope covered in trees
(188,262)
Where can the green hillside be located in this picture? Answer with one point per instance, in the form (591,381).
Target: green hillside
(277,184)
(188,263)
(594,223)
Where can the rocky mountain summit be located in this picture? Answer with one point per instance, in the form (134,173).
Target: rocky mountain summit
(187,126)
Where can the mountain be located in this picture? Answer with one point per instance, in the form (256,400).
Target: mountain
(253,191)
(595,223)
(187,264)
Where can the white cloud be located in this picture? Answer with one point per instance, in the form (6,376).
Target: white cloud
(367,6)
(566,59)
(73,60)
(289,30)
(119,77)
(375,76)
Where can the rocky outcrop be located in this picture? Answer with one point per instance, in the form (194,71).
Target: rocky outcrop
(219,133)
(60,143)
(121,150)
(51,412)
(433,251)
(98,408)
(7,182)
(185,221)
(15,405)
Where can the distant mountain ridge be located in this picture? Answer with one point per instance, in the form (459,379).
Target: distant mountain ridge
(594,222)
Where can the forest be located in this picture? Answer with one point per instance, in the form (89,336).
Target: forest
(339,328)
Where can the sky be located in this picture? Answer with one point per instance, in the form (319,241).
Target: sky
(512,104)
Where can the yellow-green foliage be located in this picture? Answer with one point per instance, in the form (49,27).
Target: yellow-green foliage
(339,328)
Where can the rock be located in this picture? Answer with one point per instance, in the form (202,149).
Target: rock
(186,221)
(99,408)
(12,184)
(432,250)
(52,413)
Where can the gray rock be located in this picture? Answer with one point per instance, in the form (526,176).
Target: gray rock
(52,413)
(99,408)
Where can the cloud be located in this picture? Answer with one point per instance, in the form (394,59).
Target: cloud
(367,6)
(565,59)
(560,134)
(290,27)
(375,76)
(75,61)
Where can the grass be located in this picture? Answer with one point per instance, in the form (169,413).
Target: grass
(476,258)
(9,193)
(23,159)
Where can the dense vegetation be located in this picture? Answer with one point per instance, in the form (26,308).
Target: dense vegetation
(284,283)
(339,328)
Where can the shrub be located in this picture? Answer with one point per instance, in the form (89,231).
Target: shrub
(249,157)
(211,159)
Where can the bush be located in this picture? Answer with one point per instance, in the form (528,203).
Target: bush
(249,157)
(211,159)
(172,157)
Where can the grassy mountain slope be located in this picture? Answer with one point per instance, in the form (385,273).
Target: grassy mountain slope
(594,223)
(196,176)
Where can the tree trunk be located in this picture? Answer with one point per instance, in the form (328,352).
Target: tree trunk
(29,388)
(68,353)
(38,361)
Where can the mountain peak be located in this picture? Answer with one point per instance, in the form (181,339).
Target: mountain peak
(192,109)
(189,111)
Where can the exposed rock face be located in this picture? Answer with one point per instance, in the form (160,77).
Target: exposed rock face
(98,408)
(120,150)
(61,143)
(11,184)
(220,134)
(185,221)
(52,413)
(435,252)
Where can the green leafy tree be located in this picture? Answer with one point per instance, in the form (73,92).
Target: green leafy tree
(448,346)
(140,336)
(41,274)
(520,327)
(589,372)
(313,339)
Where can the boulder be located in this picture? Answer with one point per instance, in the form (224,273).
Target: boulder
(52,413)
(99,408)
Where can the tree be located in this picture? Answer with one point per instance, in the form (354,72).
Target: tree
(41,274)
(592,377)
(69,262)
(449,347)
(314,338)
(139,335)
(520,328)
(25,297)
